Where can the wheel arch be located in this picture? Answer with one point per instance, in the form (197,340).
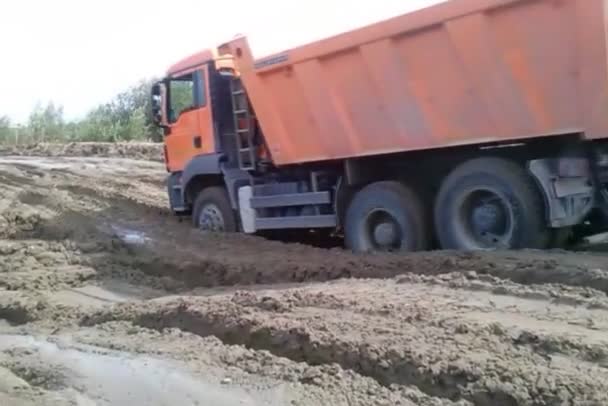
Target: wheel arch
(198,183)
(202,171)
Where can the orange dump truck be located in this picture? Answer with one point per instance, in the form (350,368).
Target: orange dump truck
(472,124)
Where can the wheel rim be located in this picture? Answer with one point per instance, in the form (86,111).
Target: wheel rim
(382,231)
(211,219)
(486,219)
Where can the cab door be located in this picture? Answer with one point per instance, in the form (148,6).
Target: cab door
(190,124)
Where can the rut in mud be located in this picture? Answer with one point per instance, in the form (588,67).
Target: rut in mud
(92,261)
(461,345)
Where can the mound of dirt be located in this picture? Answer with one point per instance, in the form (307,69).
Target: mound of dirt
(134,150)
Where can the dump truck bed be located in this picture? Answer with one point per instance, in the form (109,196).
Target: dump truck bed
(459,73)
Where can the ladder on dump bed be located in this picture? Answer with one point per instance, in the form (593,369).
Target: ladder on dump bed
(244,127)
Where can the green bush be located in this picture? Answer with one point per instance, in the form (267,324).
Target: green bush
(5,128)
(127,117)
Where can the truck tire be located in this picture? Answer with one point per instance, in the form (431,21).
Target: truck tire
(490,203)
(213,212)
(385,216)
(559,238)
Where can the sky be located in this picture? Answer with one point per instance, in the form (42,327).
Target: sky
(81,53)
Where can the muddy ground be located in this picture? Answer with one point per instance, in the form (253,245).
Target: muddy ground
(107,299)
(134,150)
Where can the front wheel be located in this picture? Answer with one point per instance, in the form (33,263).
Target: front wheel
(213,212)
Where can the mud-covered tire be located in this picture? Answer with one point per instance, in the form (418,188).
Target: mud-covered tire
(212,207)
(560,238)
(398,205)
(515,197)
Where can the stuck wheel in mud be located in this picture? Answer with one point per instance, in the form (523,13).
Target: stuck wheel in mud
(212,211)
(560,237)
(386,217)
(490,203)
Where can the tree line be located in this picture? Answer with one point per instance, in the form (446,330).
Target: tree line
(127,117)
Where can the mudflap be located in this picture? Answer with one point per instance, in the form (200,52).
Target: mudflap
(568,187)
(176,195)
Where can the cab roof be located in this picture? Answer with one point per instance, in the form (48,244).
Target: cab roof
(191,61)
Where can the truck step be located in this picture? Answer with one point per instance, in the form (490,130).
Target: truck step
(295,199)
(275,223)
(271,189)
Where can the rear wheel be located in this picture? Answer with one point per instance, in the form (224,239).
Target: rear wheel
(213,212)
(385,216)
(490,203)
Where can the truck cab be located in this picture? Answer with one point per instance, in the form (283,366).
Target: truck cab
(188,104)
(205,160)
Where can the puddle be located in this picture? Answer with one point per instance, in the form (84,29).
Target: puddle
(113,378)
(112,291)
(129,236)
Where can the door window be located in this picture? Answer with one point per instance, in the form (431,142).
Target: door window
(186,92)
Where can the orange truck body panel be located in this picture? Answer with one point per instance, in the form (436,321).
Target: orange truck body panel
(460,73)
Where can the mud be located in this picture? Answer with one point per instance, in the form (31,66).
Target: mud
(457,345)
(98,281)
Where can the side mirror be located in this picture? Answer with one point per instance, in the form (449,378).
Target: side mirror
(158,111)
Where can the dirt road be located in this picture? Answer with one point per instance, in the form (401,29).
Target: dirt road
(107,299)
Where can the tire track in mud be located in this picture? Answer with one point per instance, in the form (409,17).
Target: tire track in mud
(556,294)
(484,364)
(20,308)
(352,388)
(293,343)
(205,261)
